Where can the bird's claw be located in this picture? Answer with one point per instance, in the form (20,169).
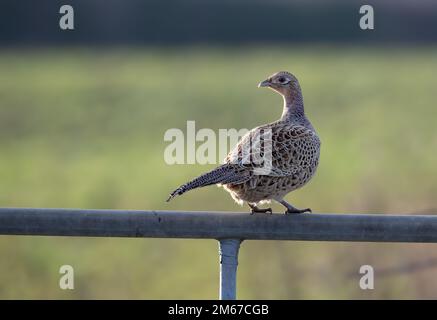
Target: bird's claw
(298,211)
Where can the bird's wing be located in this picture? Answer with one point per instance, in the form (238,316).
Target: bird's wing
(282,149)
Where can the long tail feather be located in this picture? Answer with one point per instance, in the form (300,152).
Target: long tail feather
(221,175)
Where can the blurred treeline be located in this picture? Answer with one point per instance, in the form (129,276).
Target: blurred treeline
(171,22)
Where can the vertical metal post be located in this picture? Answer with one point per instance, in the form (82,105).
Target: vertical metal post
(228,250)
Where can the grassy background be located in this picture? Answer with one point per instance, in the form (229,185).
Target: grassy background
(84,129)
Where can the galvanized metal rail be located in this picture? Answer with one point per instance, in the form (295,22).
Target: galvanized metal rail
(229,228)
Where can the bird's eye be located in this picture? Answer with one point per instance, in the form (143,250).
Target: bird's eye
(282,80)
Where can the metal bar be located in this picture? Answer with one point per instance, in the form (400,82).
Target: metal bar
(218,225)
(228,250)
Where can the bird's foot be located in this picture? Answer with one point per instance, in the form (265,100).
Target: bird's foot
(297,211)
(258,210)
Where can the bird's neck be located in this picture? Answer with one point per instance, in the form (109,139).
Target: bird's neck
(293,110)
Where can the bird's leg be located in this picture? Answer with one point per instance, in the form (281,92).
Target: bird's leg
(291,209)
(255,209)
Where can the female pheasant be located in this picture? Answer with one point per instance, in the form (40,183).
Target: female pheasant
(289,150)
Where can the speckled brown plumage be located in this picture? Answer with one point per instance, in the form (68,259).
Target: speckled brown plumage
(289,150)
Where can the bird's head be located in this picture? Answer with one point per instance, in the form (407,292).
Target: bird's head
(282,82)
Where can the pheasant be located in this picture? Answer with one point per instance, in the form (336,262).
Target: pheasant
(291,142)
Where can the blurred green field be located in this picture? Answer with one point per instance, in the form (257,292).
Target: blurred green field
(84,129)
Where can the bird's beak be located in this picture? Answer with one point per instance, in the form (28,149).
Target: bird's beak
(265,83)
